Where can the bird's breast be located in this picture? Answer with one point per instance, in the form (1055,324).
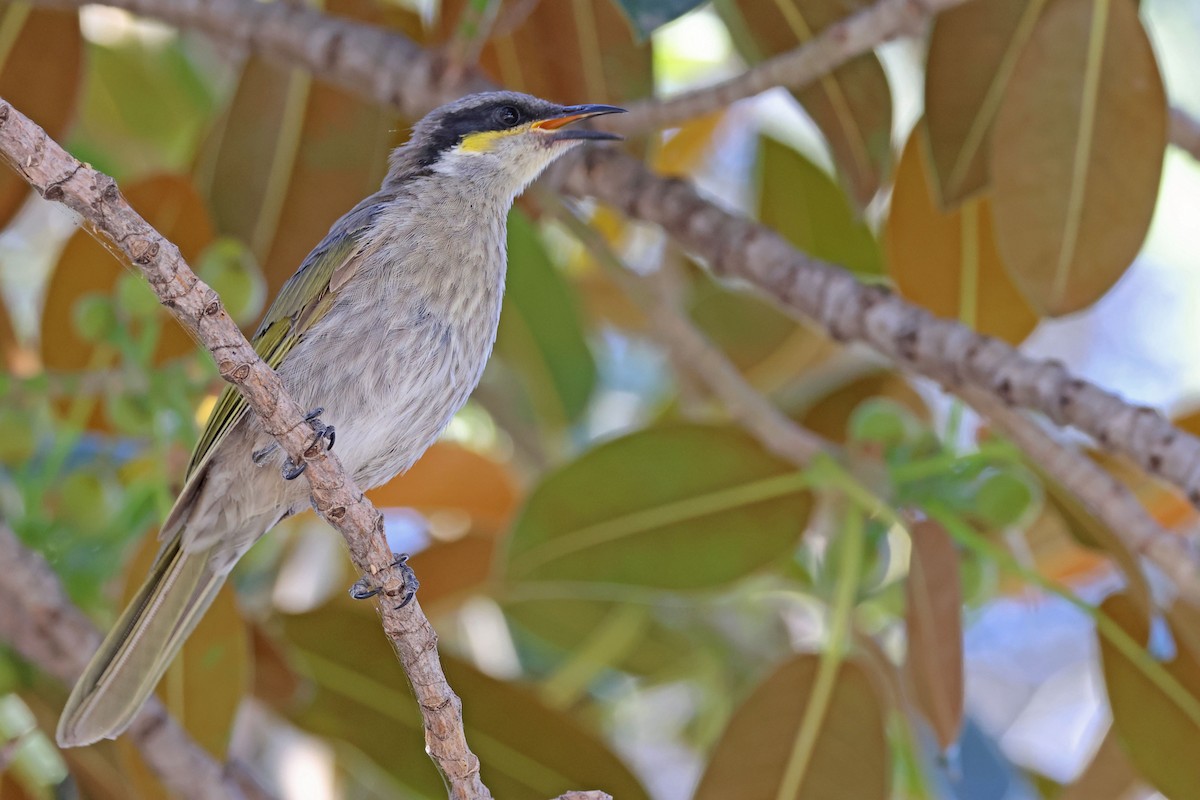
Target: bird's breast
(400,351)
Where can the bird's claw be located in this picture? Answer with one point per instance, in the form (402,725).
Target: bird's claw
(362,590)
(324,436)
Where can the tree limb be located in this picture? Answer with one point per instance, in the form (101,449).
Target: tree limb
(57,176)
(44,626)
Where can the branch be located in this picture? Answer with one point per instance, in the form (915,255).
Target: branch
(1100,492)
(834,46)
(57,176)
(46,628)
(847,310)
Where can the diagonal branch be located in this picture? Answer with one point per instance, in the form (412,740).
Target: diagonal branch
(45,627)
(57,176)
(1185,132)
(835,45)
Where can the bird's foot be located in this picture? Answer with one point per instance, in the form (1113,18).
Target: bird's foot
(324,437)
(259,457)
(362,590)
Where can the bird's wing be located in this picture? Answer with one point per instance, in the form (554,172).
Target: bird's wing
(304,299)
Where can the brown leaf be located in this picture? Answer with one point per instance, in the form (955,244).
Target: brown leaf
(293,154)
(450,476)
(830,415)
(1157,728)
(947,262)
(1109,775)
(1077,153)
(933,621)
(452,570)
(852,105)
(972,51)
(759,756)
(168,202)
(568,52)
(40,75)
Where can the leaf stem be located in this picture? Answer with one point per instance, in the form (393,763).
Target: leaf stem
(844,598)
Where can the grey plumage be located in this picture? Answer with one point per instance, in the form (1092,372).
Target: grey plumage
(387,325)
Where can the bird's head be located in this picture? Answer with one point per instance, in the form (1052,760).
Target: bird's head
(502,140)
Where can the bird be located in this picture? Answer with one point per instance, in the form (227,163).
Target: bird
(384,330)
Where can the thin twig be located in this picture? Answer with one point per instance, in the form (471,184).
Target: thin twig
(57,176)
(44,626)
(844,40)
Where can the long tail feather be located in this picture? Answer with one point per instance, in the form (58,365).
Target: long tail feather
(140,647)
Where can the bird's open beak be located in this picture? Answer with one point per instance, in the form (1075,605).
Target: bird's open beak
(552,125)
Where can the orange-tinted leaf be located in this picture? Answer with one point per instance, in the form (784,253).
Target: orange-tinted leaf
(1077,153)
(1163,501)
(169,203)
(1158,732)
(933,621)
(450,476)
(10,355)
(852,105)
(205,684)
(451,570)
(759,758)
(972,51)
(687,147)
(569,52)
(39,74)
(948,262)
(1109,776)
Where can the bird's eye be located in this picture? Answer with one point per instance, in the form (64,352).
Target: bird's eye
(508,116)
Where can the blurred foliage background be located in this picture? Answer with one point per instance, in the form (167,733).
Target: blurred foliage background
(632,593)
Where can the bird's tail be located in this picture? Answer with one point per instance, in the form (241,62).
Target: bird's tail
(140,647)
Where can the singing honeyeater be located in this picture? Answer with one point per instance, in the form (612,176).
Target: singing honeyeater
(386,325)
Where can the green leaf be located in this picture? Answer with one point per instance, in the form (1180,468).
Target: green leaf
(1157,733)
(228,266)
(1077,153)
(800,201)
(541,332)
(679,507)
(1004,498)
(527,751)
(649,15)
(760,755)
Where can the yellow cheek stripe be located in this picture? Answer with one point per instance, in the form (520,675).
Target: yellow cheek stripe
(485,141)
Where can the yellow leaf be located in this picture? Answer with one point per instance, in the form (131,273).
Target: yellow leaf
(948,262)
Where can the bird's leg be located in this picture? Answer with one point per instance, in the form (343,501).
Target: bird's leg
(361,590)
(324,436)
